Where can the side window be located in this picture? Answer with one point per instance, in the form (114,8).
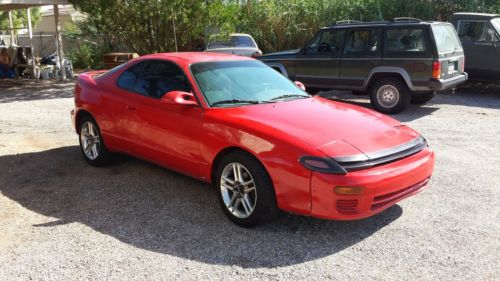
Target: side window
(128,78)
(405,41)
(363,43)
(328,42)
(156,78)
(474,31)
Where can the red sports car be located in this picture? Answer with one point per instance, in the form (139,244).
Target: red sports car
(261,141)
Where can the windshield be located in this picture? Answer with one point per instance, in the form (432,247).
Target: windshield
(446,38)
(236,83)
(496,23)
(233,41)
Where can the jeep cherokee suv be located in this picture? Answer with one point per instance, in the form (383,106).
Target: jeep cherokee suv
(397,62)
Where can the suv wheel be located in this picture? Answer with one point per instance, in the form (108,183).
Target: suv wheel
(422,98)
(390,95)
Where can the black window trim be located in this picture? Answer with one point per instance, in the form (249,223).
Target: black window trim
(142,66)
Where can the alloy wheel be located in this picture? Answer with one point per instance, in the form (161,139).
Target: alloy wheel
(238,190)
(91,143)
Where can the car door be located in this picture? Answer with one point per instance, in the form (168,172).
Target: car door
(362,53)
(318,64)
(167,134)
(478,39)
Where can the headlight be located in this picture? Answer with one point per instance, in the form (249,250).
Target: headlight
(323,165)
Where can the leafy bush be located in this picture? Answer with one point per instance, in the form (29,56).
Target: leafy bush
(87,56)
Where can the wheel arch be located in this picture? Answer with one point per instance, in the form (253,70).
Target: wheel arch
(383,72)
(79,116)
(227,150)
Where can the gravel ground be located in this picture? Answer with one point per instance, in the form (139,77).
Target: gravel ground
(61,219)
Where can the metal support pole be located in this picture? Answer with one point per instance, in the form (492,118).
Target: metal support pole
(59,43)
(11,27)
(30,32)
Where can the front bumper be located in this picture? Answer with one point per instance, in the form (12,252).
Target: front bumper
(441,84)
(383,187)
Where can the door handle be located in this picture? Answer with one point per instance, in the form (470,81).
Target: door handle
(131,108)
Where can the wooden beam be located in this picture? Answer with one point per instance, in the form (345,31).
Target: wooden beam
(30,32)
(11,26)
(59,43)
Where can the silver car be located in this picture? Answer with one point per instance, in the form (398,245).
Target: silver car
(237,44)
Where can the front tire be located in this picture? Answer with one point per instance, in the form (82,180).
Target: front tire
(390,95)
(244,190)
(91,143)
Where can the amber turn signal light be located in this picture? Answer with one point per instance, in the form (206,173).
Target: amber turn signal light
(349,190)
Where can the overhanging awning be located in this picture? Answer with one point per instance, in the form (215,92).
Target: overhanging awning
(8,5)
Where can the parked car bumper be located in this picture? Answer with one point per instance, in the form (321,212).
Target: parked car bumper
(442,84)
(382,187)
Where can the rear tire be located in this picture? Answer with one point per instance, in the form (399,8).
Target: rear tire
(422,98)
(244,190)
(91,143)
(390,95)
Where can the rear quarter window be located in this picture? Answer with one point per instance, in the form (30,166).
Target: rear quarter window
(406,42)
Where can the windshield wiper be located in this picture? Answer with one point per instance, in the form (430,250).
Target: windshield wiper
(289,96)
(235,101)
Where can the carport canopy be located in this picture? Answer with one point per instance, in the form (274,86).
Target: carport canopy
(9,5)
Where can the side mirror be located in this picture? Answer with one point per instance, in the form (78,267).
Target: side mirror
(179,97)
(300,85)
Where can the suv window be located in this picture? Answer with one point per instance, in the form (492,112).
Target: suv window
(496,24)
(479,31)
(405,41)
(446,38)
(154,78)
(328,42)
(363,43)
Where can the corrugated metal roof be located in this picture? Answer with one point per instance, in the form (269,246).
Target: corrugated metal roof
(6,5)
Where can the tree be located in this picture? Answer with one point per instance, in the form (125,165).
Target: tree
(19,19)
(152,26)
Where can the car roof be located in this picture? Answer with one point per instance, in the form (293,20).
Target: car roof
(356,24)
(231,35)
(470,16)
(195,57)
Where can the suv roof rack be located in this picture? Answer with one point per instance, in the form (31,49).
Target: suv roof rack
(406,19)
(347,22)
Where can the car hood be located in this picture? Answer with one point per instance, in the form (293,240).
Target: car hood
(334,128)
(247,52)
